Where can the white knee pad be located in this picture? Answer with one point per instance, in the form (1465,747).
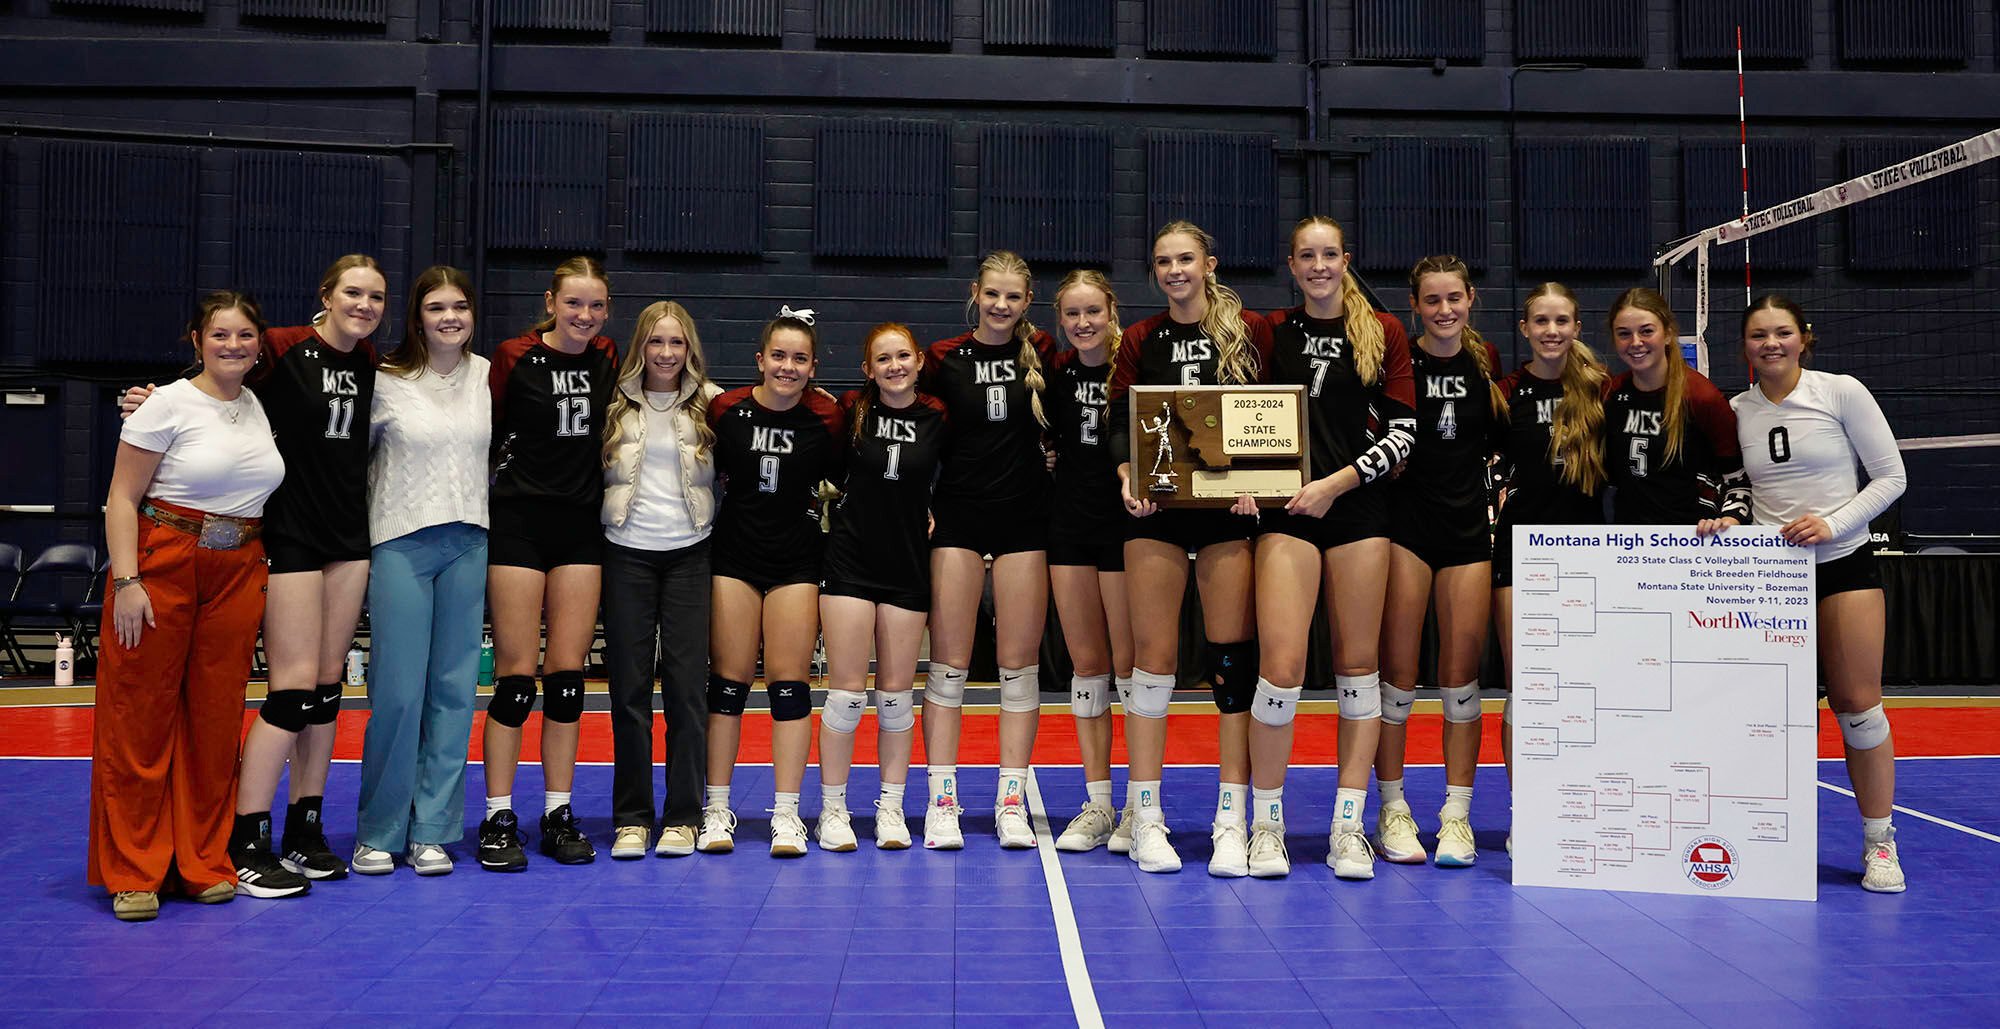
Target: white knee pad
(1021,689)
(1360,696)
(1864,730)
(893,711)
(1089,695)
(842,713)
(1396,703)
(944,686)
(1275,705)
(1124,686)
(1152,694)
(1507,711)
(1461,703)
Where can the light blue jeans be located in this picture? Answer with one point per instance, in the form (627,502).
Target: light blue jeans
(426,607)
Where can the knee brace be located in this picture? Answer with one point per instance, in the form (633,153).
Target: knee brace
(326,706)
(1863,730)
(842,713)
(1275,705)
(513,698)
(1089,695)
(1360,696)
(290,710)
(562,697)
(1152,693)
(726,696)
(1396,703)
(1461,703)
(893,711)
(1232,675)
(791,700)
(944,685)
(1021,689)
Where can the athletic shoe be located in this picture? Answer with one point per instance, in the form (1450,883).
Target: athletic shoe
(429,859)
(1091,829)
(941,830)
(260,874)
(562,840)
(1268,859)
(892,830)
(675,841)
(1151,849)
(220,893)
(1455,846)
(836,829)
(1231,859)
(628,842)
(1396,835)
(1510,844)
(1010,823)
(1882,869)
(788,834)
(718,831)
(369,861)
(1121,836)
(307,854)
(1349,855)
(500,847)
(135,905)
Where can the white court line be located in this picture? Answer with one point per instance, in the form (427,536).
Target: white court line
(1082,996)
(1914,813)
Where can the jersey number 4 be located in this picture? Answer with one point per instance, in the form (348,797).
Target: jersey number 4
(573,416)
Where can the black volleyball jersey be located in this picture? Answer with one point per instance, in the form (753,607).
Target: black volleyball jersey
(318,401)
(769,465)
(1704,480)
(1537,493)
(548,420)
(1447,475)
(1087,506)
(996,442)
(1162,352)
(1368,425)
(881,524)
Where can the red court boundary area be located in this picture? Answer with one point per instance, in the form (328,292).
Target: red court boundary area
(64,732)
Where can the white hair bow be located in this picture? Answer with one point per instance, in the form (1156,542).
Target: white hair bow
(806,315)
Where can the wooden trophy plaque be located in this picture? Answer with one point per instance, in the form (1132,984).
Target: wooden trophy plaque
(1203,446)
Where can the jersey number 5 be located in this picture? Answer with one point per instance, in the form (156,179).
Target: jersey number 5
(573,416)
(1780,442)
(1639,456)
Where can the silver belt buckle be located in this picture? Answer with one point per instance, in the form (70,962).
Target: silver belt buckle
(221,534)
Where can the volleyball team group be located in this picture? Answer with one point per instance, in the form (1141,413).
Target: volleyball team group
(300,472)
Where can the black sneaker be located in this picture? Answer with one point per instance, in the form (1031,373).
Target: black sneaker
(500,843)
(307,853)
(259,873)
(562,840)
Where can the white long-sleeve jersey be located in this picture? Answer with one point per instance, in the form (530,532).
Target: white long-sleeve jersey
(1804,455)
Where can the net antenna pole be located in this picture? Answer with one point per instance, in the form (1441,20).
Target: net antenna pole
(1743,157)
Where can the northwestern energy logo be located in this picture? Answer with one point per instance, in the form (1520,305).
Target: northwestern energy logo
(1791,632)
(1710,862)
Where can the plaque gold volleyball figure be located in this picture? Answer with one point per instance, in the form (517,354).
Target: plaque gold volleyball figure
(1213,444)
(1163,457)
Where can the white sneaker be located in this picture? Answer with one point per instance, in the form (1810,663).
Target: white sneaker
(1090,829)
(1121,836)
(1456,848)
(718,831)
(892,830)
(369,861)
(628,842)
(1151,849)
(1882,869)
(1231,859)
(941,830)
(1010,823)
(788,834)
(429,859)
(1268,859)
(835,829)
(1396,835)
(675,841)
(1349,855)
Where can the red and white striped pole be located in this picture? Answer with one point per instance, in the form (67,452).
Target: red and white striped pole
(1743,157)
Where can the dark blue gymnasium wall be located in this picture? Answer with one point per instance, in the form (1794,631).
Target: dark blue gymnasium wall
(858,156)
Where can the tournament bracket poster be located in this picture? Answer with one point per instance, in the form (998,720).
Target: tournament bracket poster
(1665,711)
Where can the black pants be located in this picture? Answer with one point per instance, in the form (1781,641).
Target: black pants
(656,606)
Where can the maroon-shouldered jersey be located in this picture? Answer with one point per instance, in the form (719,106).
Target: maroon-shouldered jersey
(1448,470)
(881,524)
(1371,426)
(318,400)
(1160,351)
(1704,480)
(1537,493)
(769,465)
(996,443)
(1087,505)
(548,420)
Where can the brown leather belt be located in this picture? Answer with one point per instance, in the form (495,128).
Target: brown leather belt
(212,532)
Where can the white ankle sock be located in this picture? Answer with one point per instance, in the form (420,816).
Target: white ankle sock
(1391,791)
(944,782)
(718,796)
(1143,799)
(1229,799)
(1875,830)
(1013,783)
(1348,807)
(495,805)
(785,802)
(1268,805)
(832,796)
(891,795)
(1457,802)
(553,799)
(1099,791)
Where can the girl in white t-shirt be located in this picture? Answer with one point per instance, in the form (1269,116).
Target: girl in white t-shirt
(185,598)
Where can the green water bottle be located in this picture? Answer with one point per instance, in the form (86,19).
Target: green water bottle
(486,662)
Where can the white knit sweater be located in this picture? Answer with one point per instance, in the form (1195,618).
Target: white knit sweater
(428,464)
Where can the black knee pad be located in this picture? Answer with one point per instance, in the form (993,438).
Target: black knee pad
(1232,673)
(290,710)
(562,697)
(513,698)
(790,701)
(326,709)
(727,696)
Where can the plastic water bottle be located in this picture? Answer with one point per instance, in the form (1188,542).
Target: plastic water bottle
(65,662)
(357,666)
(486,662)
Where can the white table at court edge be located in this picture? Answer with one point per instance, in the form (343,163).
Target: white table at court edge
(1665,714)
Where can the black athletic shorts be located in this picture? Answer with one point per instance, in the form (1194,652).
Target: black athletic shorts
(1192,528)
(1361,514)
(1856,571)
(992,528)
(1105,555)
(876,593)
(1441,554)
(304,555)
(543,534)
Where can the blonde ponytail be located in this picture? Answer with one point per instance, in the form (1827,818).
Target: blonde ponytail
(1006,262)
(1235,359)
(1365,338)
(1470,339)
